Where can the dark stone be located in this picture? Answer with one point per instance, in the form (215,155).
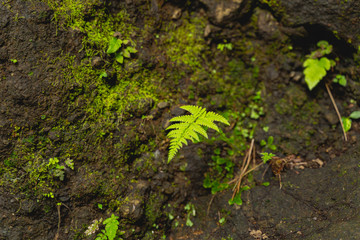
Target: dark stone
(141,107)
(97,62)
(341,17)
(163,105)
(222,12)
(177,111)
(53,135)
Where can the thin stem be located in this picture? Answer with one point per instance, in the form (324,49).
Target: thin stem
(336,109)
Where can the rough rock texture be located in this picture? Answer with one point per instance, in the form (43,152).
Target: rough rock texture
(340,17)
(221,12)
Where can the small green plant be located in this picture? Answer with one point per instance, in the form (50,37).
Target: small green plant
(190,209)
(222,46)
(269,144)
(316,65)
(265,157)
(237,198)
(340,79)
(347,120)
(111,227)
(221,172)
(14,61)
(190,126)
(117,47)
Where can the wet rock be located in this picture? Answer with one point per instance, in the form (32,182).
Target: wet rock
(133,206)
(163,105)
(141,107)
(97,62)
(176,14)
(177,111)
(221,12)
(27,206)
(341,17)
(207,30)
(271,72)
(267,24)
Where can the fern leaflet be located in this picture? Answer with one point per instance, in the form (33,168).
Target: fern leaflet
(189,127)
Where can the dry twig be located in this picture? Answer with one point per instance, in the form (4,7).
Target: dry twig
(336,109)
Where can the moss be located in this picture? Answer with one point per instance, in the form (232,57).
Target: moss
(184,44)
(275,5)
(153,209)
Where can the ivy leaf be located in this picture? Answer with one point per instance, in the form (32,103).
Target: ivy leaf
(114,45)
(315,70)
(355,115)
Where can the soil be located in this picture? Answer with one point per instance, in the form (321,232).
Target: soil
(83,136)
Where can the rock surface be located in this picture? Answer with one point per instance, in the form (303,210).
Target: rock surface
(339,17)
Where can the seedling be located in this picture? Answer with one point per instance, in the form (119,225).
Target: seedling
(117,47)
(347,120)
(315,69)
(222,46)
(111,227)
(340,79)
(316,66)
(265,157)
(269,144)
(190,209)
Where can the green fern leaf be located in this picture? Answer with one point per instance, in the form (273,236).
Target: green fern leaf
(189,127)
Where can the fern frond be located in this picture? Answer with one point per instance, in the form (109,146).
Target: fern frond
(185,118)
(207,123)
(190,126)
(194,110)
(216,117)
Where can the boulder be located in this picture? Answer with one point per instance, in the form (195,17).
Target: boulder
(340,17)
(223,11)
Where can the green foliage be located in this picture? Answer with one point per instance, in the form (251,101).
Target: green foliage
(355,115)
(269,144)
(184,44)
(221,172)
(111,227)
(315,70)
(341,79)
(225,45)
(190,211)
(190,126)
(347,122)
(316,66)
(265,157)
(237,198)
(115,48)
(13,60)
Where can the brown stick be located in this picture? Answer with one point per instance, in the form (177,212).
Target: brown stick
(243,169)
(336,109)
(59,222)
